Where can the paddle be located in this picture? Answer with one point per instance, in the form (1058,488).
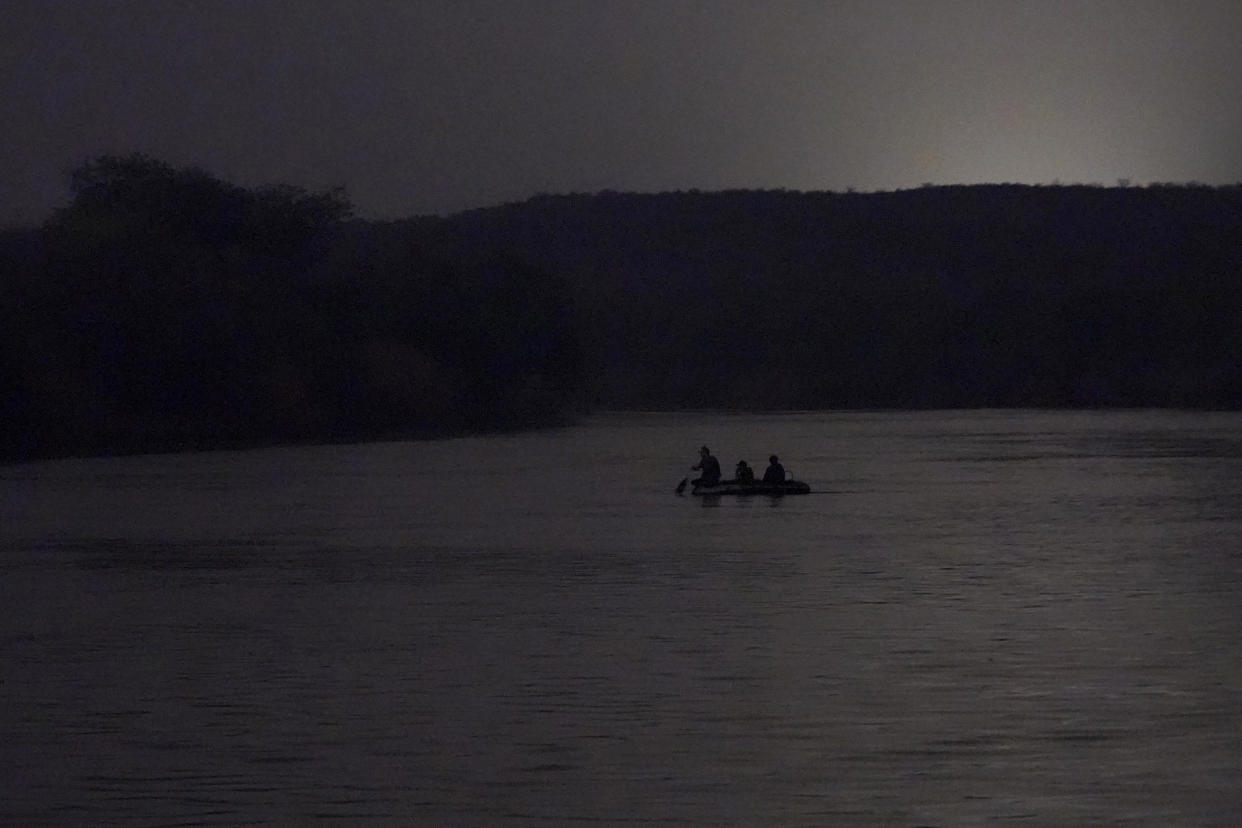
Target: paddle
(681,487)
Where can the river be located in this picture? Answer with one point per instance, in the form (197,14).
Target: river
(977,618)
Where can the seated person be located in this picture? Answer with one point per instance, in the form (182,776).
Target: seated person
(744,473)
(775,472)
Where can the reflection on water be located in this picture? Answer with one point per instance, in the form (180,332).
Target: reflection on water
(979,618)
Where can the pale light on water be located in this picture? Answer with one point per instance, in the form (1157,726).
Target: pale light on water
(978,618)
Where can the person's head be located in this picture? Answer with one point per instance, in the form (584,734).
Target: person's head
(741,464)
(772,459)
(704,451)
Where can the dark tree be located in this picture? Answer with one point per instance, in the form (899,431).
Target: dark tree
(164,308)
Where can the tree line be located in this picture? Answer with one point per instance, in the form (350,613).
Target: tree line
(165,308)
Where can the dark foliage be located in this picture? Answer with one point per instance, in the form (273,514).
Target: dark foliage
(165,309)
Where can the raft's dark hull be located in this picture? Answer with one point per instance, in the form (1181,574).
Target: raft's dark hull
(727,488)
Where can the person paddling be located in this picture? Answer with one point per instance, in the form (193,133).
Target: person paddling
(710,467)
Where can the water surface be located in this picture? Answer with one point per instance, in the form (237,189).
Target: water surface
(978,618)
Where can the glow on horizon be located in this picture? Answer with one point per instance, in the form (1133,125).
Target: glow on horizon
(437,106)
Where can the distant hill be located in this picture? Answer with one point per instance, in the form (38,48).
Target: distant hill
(165,309)
(960,296)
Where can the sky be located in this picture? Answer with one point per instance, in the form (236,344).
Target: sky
(434,106)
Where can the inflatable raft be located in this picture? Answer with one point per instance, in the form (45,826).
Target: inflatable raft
(732,487)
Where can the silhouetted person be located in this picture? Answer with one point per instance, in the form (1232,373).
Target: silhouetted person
(775,472)
(710,467)
(744,473)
